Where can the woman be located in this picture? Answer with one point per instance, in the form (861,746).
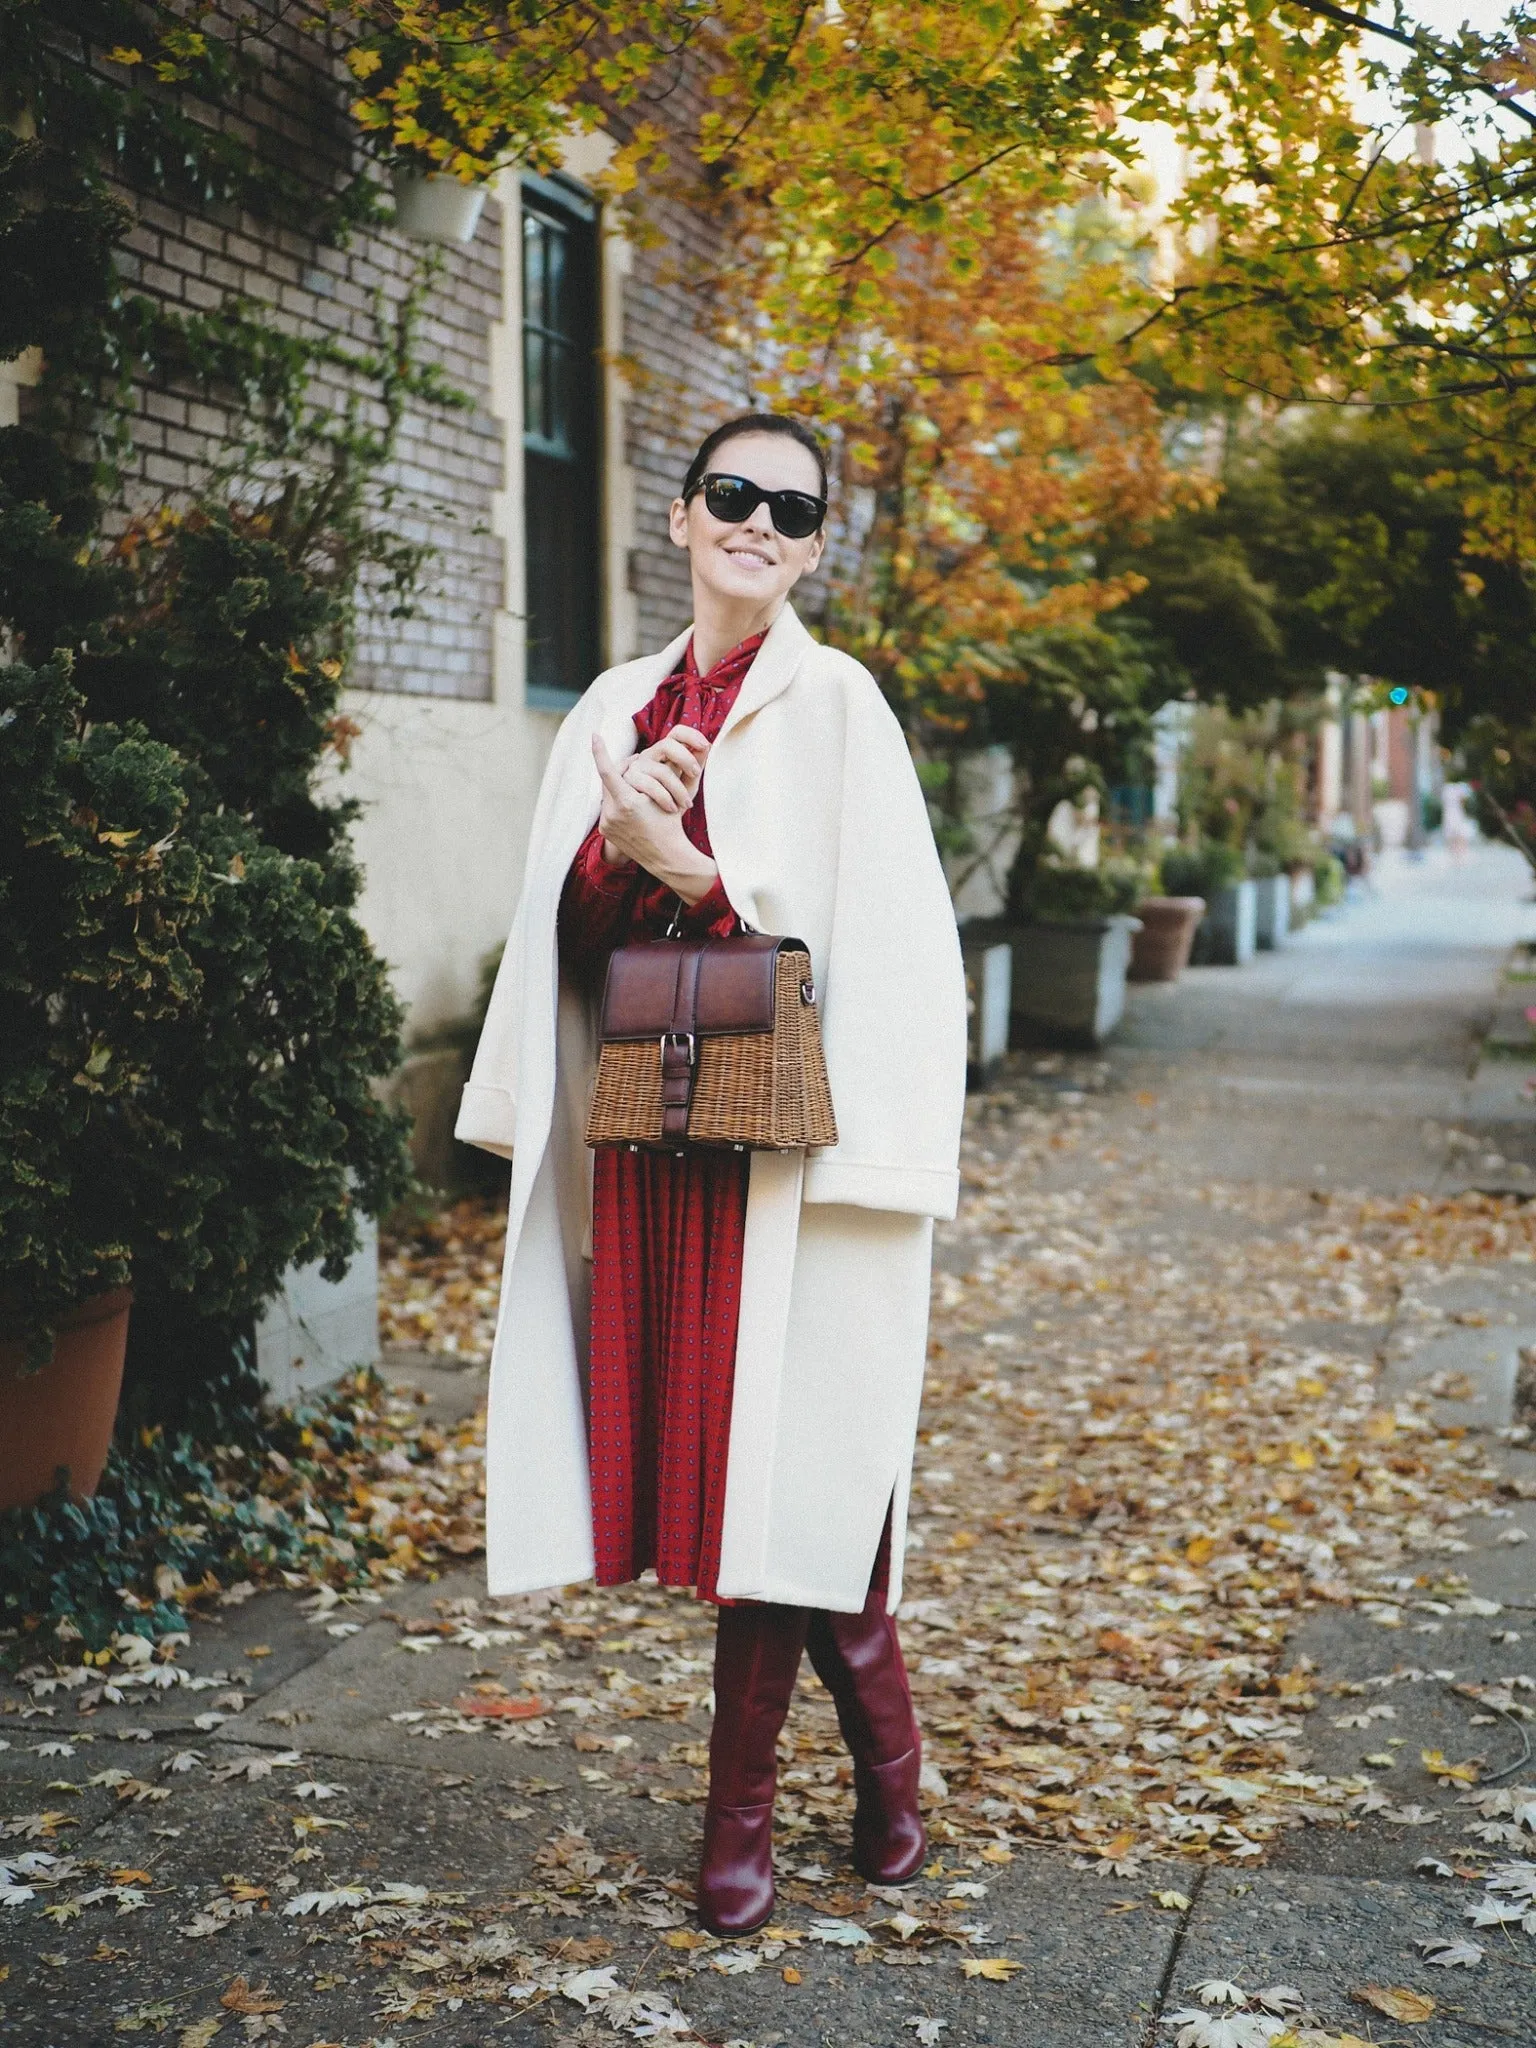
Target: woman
(712,1364)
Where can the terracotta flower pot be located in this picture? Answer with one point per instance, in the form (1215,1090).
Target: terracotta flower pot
(62,1414)
(1160,950)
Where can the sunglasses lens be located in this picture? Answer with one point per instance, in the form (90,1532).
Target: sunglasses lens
(731,498)
(795,515)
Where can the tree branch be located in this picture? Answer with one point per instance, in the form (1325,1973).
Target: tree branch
(1420,46)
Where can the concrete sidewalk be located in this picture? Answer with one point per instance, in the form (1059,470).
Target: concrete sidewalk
(1349,1061)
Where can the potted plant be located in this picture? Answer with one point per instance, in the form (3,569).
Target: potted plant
(1160,950)
(1072,951)
(435,206)
(1227,935)
(1271,903)
(441,150)
(96,888)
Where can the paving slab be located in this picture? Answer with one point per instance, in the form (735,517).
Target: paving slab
(1330,1937)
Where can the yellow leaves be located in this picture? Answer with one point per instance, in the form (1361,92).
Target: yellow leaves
(1397,2002)
(1445,1773)
(127,57)
(688,1939)
(1301,1458)
(1171,1902)
(991,1969)
(362,62)
(994,1852)
(1200,1551)
(791,1975)
(1381,1425)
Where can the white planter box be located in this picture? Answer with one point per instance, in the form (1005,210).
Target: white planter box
(316,1330)
(988,994)
(1069,980)
(1272,912)
(432,207)
(1229,934)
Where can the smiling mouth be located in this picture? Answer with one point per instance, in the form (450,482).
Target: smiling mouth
(750,555)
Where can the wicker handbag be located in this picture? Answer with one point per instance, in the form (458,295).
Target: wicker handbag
(711,1042)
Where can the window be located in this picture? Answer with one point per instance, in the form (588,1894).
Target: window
(562,443)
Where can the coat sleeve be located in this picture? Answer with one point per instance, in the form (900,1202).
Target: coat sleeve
(488,1108)
(893,1004)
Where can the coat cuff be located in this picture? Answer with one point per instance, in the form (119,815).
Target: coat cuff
(487,1118)
(911,1190)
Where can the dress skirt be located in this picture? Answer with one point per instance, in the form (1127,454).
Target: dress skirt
(667,1232)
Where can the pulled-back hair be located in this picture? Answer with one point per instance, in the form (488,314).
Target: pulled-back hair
(780,423)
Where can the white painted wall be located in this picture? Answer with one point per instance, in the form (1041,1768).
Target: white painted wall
(447,789)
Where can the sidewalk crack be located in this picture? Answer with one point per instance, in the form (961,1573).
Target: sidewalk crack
(1176,1949)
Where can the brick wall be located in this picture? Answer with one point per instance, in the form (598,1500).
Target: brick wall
(449,462)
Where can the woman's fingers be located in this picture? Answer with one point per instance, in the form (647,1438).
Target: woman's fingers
(652,774)
(608,774)
(661,787)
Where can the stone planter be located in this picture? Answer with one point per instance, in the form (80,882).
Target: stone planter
(432,207)
(988,995)
(1271,912)
(1160,950)
(1069,980)
(1228,936)
(61,1414)
(1303,895)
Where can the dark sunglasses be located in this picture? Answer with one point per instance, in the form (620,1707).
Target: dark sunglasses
(731,499)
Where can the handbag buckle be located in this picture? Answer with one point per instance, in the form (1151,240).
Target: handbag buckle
(684,1038)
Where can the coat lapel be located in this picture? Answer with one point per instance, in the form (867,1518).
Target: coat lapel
(780,655)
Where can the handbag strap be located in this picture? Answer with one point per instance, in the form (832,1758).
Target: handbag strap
(674,928)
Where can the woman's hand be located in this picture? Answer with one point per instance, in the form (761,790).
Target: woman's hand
(669,772)
(636,827)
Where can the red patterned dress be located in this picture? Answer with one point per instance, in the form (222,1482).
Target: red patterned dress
(666,1231)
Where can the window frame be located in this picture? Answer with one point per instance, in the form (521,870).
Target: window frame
(559,194)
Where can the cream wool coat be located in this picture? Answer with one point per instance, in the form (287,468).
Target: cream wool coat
(820,831)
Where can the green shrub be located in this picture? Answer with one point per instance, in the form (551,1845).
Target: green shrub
(1062,893)
(1328,881)
(191,1018)
(179,1514)
(1200,871)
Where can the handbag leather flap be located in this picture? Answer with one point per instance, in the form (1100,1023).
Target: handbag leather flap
(709,987)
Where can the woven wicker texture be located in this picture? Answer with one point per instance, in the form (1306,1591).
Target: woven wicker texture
(765,1090)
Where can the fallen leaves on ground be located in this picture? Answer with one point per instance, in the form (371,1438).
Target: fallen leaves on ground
(1397,2002)
(440,1280)
(1141,1461)
(1137,1467)
(240,1997)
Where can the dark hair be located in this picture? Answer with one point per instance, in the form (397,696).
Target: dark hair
(758,423)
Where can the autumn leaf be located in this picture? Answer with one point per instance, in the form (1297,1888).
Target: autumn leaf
(1398,2003)
(991,1969)
(241,1998)
(1435,1763)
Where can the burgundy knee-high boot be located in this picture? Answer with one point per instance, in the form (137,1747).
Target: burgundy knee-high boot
(858,1659)
(757,1654)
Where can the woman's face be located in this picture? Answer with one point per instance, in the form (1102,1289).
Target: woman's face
(752,561)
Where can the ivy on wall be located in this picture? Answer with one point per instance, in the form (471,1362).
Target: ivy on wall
(193,1024)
